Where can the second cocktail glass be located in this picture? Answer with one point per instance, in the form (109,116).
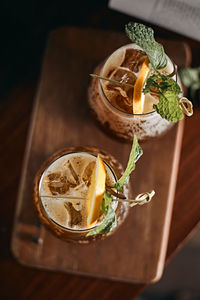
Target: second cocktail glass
(112,105)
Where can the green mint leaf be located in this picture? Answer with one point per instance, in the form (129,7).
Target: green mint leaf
(151,85)
(106,201)
(143,36)
(136,152)
(119,187)
(168,91)
(108,224)
(161,83)
(168,107)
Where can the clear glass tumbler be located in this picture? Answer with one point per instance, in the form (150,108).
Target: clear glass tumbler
(119,122)
(52,180)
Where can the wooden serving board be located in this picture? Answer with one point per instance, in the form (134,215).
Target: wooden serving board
(61,118)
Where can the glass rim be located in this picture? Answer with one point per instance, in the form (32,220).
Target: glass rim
(119,110)
(40,182)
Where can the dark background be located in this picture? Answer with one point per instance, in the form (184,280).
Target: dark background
(24,26)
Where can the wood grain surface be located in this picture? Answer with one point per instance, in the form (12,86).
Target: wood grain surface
(22,282)
(61,118)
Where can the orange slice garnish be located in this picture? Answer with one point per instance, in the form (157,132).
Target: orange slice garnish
(96,192)
(138,95)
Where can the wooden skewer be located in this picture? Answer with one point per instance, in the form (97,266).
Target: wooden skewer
(140,199)
(112,80)
(114,193)
(63,197)
(81,198)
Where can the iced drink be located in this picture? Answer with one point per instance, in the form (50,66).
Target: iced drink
(61,189)
(112,104)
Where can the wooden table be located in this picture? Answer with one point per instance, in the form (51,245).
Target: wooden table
(18,282)
(31,283)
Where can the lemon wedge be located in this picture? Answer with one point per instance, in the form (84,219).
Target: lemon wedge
(138,95)
(96,192)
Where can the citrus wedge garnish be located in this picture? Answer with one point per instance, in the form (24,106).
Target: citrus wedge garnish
(138,95)
(96,192)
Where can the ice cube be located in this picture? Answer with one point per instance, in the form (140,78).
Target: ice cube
(71,174)
(77,205)
(121,96)
(57,183)
(56,211)
(87,173)
(133,59)
(74,215)
(122,76)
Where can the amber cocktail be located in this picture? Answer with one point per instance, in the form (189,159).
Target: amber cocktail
(112,104)
(61,187)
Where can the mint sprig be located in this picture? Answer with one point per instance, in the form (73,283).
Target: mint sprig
(108,224)
(167,90)
(168,107)
(135,154)
(110,220)
(107,199)
(143,36)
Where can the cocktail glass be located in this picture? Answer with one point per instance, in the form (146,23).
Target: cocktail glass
(67,174)
(111,104)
